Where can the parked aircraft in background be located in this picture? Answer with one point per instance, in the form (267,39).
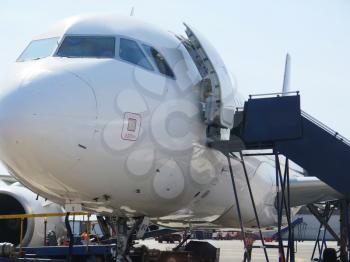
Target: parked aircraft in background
(16,199)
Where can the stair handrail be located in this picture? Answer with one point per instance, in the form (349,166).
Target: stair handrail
(326,128)
(277,94)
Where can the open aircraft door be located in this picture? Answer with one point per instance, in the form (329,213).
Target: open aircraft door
(217,89)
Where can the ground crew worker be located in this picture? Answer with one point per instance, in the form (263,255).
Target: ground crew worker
(84,237)
(249,241)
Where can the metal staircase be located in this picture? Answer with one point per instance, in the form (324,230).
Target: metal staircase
(278,123)
(322,152)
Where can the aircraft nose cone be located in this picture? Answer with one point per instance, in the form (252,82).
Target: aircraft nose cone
(49,94)
(44,119)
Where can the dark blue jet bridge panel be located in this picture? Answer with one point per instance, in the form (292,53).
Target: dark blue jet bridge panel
(272,119)
(278,123)
(322,152)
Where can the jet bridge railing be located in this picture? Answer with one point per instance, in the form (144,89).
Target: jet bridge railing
(325,127)
(277,94)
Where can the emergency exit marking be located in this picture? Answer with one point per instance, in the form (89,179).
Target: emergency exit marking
(131,126)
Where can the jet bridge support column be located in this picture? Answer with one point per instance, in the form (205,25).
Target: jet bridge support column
(282,206)
(71,237)
(344,230)
(253,204)
(247,254)
(323,216)
(283,203)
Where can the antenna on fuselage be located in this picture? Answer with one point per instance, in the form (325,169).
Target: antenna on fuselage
(132,11)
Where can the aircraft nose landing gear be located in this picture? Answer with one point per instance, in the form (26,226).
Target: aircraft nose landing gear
(125,234)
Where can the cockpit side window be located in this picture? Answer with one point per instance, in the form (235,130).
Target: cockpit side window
(130,51)
(159,60)
(87,46)
(38,49)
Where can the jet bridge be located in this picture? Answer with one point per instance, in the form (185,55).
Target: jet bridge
(276,122)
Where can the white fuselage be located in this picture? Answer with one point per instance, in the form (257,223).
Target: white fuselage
(115,137)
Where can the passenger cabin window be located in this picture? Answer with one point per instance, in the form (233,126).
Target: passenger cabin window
(38,49)
(159,60)
(87,46)
(130,51)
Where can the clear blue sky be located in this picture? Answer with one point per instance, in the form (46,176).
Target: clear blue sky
(252,37)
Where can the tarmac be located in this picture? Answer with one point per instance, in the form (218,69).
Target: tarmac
(232,250)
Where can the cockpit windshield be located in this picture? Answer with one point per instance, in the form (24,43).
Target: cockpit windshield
(87,46)
(38,49)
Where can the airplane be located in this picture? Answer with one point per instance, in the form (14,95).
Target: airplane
(113,115)
(17,199)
